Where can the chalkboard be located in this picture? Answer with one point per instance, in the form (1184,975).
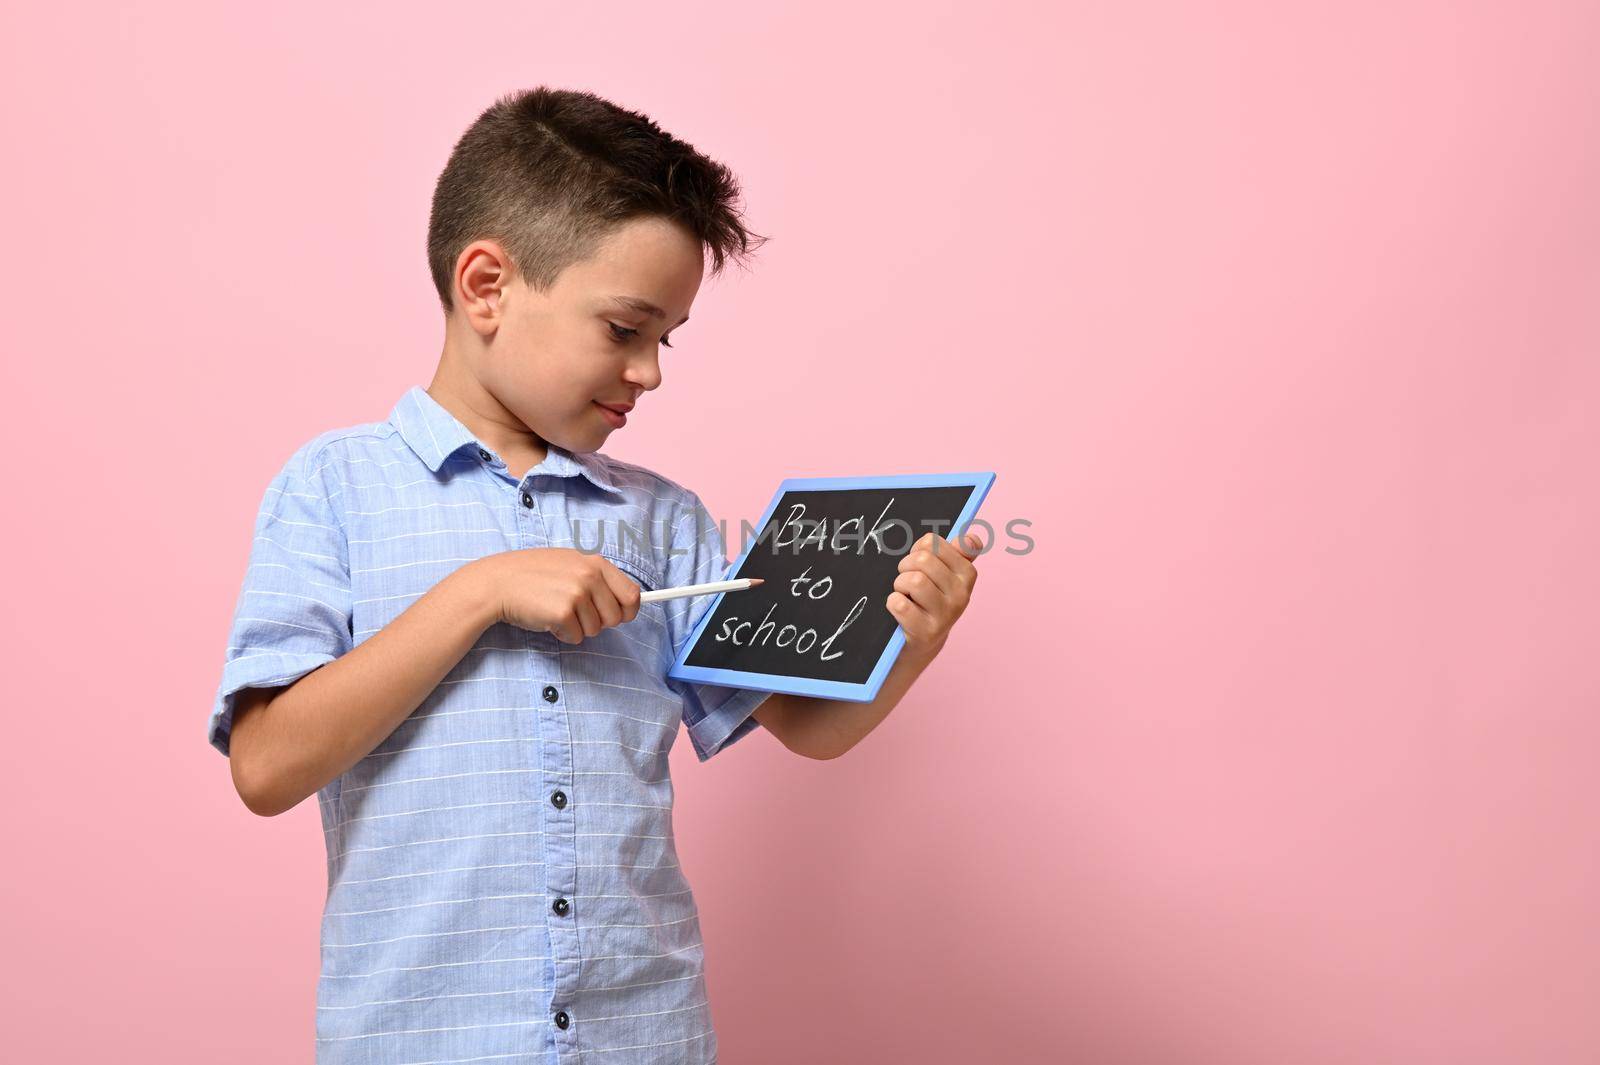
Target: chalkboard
(828,549)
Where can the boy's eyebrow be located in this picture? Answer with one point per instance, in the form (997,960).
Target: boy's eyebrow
(636,303)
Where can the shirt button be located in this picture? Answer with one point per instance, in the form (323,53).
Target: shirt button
(559,800)
(484,455)
(527,500)
(561,906)
(550,694)
(562,1020)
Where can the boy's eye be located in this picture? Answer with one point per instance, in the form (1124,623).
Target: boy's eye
(622,334)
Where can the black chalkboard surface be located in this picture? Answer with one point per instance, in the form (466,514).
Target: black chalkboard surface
(828,549)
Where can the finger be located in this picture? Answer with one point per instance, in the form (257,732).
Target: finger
(603,599)
(929,562)
(624,590)
(959,554)
(606,607)
(917,586)
(588,617)
(912,618)
(564,629)
(963,549)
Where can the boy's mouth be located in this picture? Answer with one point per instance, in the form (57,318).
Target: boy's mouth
(617,416)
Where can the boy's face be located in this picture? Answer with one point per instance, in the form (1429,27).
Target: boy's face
(554,359)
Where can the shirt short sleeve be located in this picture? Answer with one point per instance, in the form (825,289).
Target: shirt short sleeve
(294,608)
(716,716)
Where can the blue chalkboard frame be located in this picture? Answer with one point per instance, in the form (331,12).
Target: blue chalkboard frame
(866,691)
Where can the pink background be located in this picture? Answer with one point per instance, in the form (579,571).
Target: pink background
(1280,329)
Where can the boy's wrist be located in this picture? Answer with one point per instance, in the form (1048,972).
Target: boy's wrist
(920,657)
(470,586)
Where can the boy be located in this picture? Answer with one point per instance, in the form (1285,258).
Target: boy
(428,639)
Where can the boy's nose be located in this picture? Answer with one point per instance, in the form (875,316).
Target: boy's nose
(645,378)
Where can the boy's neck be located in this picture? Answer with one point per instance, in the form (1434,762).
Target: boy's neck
(497,428)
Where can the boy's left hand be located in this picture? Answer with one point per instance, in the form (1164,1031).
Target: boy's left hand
(934,587)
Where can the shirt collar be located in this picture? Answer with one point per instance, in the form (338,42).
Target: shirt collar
(435,434)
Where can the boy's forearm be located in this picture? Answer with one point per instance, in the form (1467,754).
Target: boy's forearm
(827,728)
(314,730)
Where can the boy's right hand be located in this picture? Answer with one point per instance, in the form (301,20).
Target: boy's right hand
(568,593)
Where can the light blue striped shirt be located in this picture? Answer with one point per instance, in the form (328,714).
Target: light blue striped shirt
(503,884)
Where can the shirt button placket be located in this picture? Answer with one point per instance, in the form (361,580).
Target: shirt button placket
(560,845)
(561,907)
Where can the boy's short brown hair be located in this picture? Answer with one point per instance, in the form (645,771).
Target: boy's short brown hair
(550,172)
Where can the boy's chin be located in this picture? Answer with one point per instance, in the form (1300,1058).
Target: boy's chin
(585,440)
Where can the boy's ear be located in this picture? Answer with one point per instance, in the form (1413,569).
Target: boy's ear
(481,275)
